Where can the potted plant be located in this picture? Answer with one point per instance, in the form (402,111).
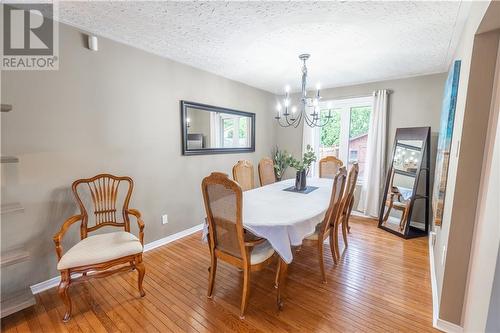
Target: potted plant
(281,160)
(302,167)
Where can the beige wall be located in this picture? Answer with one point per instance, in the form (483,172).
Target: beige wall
(116,111)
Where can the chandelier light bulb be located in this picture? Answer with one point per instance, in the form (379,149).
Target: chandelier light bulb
(278,107)
(294,109)
(287,88)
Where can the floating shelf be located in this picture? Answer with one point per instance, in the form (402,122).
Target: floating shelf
(17,302)
(6,107)
(14,257)
(13,207)
(9,159)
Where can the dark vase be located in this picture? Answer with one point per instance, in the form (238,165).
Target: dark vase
(300,180)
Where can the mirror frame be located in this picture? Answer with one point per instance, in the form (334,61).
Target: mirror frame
(209,151)
(411,133)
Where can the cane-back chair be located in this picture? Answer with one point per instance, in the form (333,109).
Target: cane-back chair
(243,174)
(227,239)
(266,172)
(329,166)
(347,203)
(99,199)
(329,226)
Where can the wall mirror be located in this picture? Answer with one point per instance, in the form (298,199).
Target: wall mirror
(405,205)
(210,129)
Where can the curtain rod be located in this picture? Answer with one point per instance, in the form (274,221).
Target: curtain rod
(356,96)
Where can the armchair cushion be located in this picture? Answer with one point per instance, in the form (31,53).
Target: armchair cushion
(261,253)
(100,248)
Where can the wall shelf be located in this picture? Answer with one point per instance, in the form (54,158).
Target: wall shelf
(9,159)
(6,107)
(13,257)
(17,302)
(13,207)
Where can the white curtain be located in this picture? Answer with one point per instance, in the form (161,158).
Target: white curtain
(373,184)
(311,136)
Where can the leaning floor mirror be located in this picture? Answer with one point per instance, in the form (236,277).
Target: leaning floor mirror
(405,205)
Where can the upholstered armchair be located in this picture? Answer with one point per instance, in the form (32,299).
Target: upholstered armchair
(103,254)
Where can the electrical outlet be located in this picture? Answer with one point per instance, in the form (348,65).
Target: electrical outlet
(164,219)
(443,256)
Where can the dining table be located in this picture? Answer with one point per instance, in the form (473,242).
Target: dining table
(285,217)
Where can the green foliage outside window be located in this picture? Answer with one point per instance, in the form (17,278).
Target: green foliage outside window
(330,133)
(360,121)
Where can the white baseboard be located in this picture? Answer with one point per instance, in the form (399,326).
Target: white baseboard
(171,238)
(448,327)
(435,296)
(50,283)
(438,323)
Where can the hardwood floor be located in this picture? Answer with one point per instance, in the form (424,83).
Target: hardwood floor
(381,283)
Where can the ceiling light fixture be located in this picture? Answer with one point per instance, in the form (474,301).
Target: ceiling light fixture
(309,106)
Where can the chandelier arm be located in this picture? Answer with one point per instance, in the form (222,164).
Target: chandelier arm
(298,121)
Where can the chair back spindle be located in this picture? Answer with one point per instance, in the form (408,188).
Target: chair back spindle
(100,198)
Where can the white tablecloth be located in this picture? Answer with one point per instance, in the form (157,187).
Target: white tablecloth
(285,218)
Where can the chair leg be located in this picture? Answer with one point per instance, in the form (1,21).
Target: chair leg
(336,238)
(335,255)
(211,276)
(344,229)
(64,294)
(320,258)
(349,215)
(141,270)
(246,291)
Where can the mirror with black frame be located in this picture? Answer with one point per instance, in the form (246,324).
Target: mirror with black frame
(405,205)
(208,129)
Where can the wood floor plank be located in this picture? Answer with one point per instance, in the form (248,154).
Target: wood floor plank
(381,284)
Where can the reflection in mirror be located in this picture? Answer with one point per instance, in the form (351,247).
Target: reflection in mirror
(405,190)
(209,129)
(398,201)
(407,156)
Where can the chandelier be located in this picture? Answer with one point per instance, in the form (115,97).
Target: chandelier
(309,106)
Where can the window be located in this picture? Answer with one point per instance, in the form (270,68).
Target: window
(235,131)
(346,136)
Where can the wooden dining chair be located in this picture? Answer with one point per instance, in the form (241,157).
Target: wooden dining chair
(227,239)
(243,174)
(98,198)
(329,166)
(266,172)
(347,203)
(329,226)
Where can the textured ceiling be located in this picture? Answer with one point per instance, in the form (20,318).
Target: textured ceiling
(258,42)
